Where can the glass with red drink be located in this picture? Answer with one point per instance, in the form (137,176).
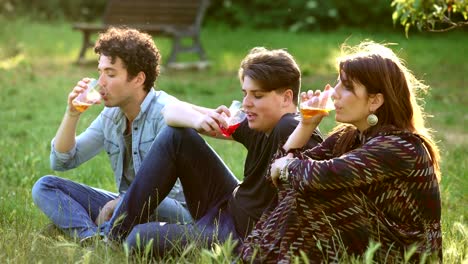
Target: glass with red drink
(236,118)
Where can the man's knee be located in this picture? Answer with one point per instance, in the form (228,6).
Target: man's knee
(44,183)
(177,139)
(161,237)
(172,211)
(178,133)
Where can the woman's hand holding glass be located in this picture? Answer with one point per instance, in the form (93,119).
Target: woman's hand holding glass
(316,104)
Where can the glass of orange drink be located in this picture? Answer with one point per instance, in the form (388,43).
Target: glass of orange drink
(322,105)
(89,97)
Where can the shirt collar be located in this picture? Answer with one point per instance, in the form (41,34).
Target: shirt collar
(144,106)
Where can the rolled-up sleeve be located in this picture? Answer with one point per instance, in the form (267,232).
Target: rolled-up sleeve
(88,144)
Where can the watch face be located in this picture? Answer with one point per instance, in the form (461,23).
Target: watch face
(284,173)
(281,177)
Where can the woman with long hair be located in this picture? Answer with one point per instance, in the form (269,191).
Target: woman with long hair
(373,182)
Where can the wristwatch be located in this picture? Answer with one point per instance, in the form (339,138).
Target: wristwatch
(284,172)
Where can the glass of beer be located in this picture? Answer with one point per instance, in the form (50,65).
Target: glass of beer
(237,116)
(89,97)
(322,105)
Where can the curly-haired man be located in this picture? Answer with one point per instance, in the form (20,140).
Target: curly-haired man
(125,129)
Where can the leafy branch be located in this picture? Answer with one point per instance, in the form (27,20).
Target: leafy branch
(430,15)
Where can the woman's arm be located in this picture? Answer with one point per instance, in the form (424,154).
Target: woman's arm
(300,136)
(378,159)
(307,126)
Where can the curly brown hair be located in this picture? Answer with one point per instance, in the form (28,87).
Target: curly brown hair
(136,49)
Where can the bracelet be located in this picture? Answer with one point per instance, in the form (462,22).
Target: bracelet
(284,172)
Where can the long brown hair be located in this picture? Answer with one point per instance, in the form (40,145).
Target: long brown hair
(379,70)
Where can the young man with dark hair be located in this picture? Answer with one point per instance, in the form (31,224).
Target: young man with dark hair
(219,203)
(126,128)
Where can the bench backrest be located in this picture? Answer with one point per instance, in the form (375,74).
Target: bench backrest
(175,13)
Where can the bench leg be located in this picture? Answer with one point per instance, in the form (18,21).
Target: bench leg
(195,47)
(198,48)
(176,48)
(86,44)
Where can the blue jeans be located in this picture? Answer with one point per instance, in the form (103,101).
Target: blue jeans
(72,206)
(207,183)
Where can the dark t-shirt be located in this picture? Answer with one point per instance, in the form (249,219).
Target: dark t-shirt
(254,194)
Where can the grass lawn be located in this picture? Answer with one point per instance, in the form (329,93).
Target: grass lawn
(37,73)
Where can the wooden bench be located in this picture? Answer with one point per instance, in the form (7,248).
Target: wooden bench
(178,19)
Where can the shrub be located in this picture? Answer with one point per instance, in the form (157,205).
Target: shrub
(293,15)
(300,15)
(85,10)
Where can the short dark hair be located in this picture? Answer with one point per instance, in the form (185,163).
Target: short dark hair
(136,49)
(273,70)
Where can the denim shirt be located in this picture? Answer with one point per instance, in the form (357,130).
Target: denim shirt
(106,133)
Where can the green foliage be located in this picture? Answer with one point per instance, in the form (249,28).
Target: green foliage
(77,10)
(293,15)
(300,15)
(364,13)
(430,15)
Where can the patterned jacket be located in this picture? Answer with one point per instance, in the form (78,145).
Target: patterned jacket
(384,190)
